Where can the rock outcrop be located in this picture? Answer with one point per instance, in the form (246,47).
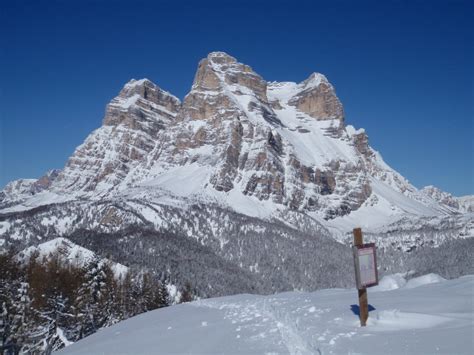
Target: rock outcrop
(440,196)
(130,128)
(318,99)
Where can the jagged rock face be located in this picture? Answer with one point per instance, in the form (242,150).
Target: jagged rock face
(226,127)
(208,98)
(361,142)
(33,186)
(16,189)
(219,69)
(441,196)
(20,189)
(139,104)
(246,132)
(318,99)
(46,181)
(130,128)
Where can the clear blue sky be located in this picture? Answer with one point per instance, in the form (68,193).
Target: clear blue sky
(403,70)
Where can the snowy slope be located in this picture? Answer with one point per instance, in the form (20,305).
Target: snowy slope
(427,315)
(467,202)
(69,252)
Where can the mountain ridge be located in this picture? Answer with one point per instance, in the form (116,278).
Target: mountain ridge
(237,165)
(124,150)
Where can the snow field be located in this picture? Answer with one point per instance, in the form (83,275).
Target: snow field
(433,316)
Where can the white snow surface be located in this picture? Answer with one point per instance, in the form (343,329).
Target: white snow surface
(313,148)
(467,202)
(390,282)
(385,206)
(39,199)
(73,253)
(432,318)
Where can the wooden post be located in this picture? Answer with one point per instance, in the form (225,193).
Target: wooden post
(363,301)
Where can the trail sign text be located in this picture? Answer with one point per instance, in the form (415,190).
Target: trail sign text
(365,265)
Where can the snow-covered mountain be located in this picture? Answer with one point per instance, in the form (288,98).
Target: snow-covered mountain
(239,164)
(426,315)
(463,204)
(466,202)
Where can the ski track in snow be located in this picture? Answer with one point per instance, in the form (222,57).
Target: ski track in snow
(280,321)
(274,321)
(430,316)
(293,321)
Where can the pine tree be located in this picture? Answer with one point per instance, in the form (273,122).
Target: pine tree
(153,294)
(162,297)
(23,315)
(125,294)
(57,310)
(97,297)
(187,294)
(11,289)
(108,298)
(47,302)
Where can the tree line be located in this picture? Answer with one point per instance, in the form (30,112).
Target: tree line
(47,303)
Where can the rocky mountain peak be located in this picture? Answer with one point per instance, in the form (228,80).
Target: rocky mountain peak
(220,70)
(24,188)
(221,58)
(46,180)
(441,196)
(314,80)
(360,139)
(318,99)
(129,132)
(140,87)
(142,98)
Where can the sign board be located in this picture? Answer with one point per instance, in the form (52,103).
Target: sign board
(365,262)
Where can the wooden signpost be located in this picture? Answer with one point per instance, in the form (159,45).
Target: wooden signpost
(365,263)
